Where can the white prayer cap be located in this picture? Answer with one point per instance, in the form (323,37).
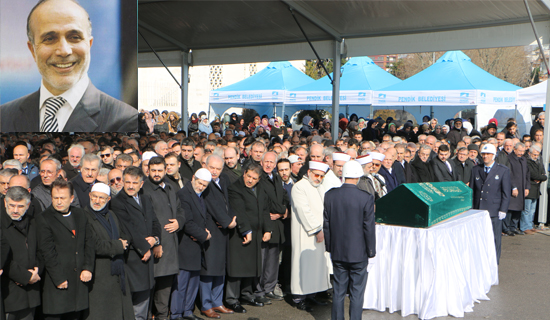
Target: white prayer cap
(489,148)
(293,158)
(364,159)
(340,156)
(318,165)
(147,155)
(352,169)
(101,187)
(203,174)
(241,134)
(377,156)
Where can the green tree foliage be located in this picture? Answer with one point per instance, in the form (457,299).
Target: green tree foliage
(315,71)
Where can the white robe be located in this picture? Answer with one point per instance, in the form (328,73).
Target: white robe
(311,265)
(331,181)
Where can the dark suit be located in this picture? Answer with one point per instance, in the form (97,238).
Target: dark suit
(441,171)
(95,112)
(491,192)
(65,256)
(138,222)
(270,251)
(350,237)
(190,253)
(464,171)
(187,171)
(520,180)
(389,178)
(20,296)
(82,190)
(399,171)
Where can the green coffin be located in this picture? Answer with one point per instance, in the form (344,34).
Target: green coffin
(421,205)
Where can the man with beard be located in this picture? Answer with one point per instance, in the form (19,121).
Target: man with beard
(378,181)
(67,250)
(333,178)
(135,211)
(271,182)
(456,134)
(109,290)
(350,239)
(173,165)
(83,182)
(189,164)
(250,203)
(115,181)
(421,165)
(365,183)
(220,219)
(283,169)
(191,247)
(232,167)
(72,168)
(167,208)
(520,180)
(20,277)
(312,274)
(443,169)
(50,169)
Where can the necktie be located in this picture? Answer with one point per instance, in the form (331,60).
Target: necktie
(449,166)
(50,121)
(486,169)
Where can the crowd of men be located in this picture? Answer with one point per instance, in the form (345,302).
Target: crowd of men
(98,226)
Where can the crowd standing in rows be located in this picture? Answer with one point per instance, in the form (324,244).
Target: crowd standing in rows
(113,226)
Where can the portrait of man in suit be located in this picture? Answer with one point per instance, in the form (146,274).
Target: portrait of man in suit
(60,37)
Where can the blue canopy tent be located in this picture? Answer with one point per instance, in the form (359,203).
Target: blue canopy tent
(453,84)
(360,76)
(264,91)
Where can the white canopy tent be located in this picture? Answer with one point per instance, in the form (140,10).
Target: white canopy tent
(534,96)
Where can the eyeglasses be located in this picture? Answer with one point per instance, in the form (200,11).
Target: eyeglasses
(320,176)
(106,155)
(117,179)
(376,164)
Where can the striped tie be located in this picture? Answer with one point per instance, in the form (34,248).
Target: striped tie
(50,121)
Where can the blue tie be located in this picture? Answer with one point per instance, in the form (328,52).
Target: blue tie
(487,169)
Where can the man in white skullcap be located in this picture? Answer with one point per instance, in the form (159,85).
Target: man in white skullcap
(365,183)
(111,295)
(377,179)
(310,264)
(333,178)
(145,157)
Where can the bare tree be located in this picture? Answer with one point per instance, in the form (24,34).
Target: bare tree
(510,64)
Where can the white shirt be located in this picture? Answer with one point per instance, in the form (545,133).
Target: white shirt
(72,97)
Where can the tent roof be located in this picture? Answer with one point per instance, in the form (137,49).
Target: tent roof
(251,30)
(359,73)
(453,71)
(533,95)
(276,76)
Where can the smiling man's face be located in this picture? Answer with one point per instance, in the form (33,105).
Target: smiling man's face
(61,42)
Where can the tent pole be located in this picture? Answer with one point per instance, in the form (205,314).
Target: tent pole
(283,112)
(432,110)
(184,89)
(336,90)
(371,112)
(516,113)
(545,152)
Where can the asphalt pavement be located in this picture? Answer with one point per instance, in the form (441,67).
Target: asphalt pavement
(522,293)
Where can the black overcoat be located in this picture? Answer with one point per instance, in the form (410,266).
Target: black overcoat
(191,252)
(65,255)
(252,211)
(138,222)
(218,208)
(167,206)
(106,298)
(520,178)
(278,202)
(23,249)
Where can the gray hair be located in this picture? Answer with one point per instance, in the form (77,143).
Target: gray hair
(425,147)
(76,146)
(104,171)
(266,153)
(8,172)
(535,148)
(213,156)
(540,114)
(18,194)
(90,157)
(13,162)
(519,145)
(329,151)
(57,163)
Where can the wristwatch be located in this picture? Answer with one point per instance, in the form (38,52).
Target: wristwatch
(158,241)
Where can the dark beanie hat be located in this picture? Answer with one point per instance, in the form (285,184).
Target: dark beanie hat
(458,120)
(473,146)
(492,125)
